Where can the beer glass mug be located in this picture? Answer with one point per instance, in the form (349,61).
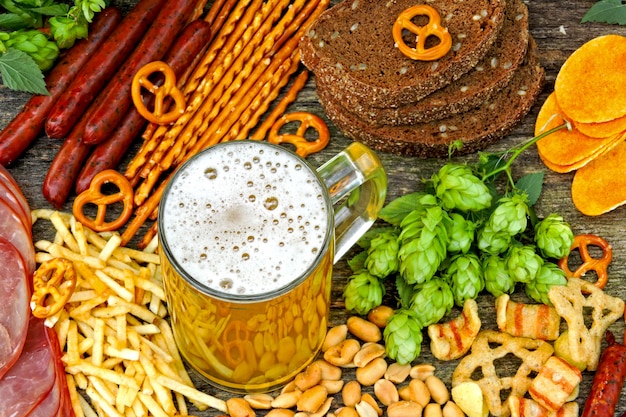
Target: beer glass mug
(248,235)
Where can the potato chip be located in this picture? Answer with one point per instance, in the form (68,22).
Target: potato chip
(585,90)
(567,149)
(602,130)
(600,186)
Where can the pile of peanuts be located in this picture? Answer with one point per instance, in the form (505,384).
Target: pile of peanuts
(398,390)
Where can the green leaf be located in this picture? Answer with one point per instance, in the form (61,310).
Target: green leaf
(397,209)
(606,11)
(12,21)
(532,185)
(20,72)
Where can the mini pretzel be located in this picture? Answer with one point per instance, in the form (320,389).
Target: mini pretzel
(159,114)
(432,28)
(94,195)
(304,147)
(234,337)
(53,281)
(589,263)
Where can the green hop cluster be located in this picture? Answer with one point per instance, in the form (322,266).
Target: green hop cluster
(549,275)
(510,215)
(523,263)
(461,233)
(458,188)
(553,236)
(363,292)
(465,275)
(382,255)
(403,336)
(35,44)
(498,281)
(431,301)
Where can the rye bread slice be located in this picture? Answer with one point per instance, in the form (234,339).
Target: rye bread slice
(351,46)
(491,74)
(476,128)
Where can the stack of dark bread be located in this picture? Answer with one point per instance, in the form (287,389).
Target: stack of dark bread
(475,94)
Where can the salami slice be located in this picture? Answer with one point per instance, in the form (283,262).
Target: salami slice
(12,229)
(7,195)
(14,305)
(32,377)
(9,182)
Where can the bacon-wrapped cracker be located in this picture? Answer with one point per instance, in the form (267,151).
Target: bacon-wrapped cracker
(555,384)
(453,339)
(536,321)
(526,407)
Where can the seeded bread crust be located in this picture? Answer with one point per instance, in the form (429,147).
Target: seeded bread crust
(476,128)
(491,74)
(351,47)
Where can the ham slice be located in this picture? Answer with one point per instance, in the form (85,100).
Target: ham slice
(10,184)
(12,229)
(32,377)
(14,305)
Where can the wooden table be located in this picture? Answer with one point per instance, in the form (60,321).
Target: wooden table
(557,29)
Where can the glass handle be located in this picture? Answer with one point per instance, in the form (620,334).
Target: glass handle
(357,184)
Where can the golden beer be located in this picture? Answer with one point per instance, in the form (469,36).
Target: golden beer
(248,240)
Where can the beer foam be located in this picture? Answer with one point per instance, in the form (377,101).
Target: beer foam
(247,219)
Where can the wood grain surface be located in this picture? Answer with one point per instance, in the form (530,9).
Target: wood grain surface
(557,28)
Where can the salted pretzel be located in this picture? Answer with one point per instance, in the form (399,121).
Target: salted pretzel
(589,263)
(304,147)
(94,195)
(432,29)
(491,346)
(160,113)
(234,339)
(53,285)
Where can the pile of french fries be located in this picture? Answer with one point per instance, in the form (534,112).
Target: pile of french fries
(118,348)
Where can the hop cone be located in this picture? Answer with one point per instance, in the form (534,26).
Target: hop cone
(382,255)
(553,237)
(403,336)
(363,292)
(66,30)
(498,281)
(465,276)
(510,215)
(550,274)
(431,301)
(458,188)
(492,242)
(460,232)
(34,43)
(423,243)
(523,263)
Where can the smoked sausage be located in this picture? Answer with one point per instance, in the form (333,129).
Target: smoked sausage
(29,122)
(192,40)
(154,45)
(100,68)
(607,381)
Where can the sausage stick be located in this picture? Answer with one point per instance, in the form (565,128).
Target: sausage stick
(29,122)
(100,68)
(607,381)
(117,98)
(109,153)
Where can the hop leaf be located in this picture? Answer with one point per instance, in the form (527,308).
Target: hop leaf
(403,336)
(510,215)
(432,301)
(363,292)
(523,263)
(549,275)
(465,275)
(382,255)
(458,188)
(498,281)
(554,237)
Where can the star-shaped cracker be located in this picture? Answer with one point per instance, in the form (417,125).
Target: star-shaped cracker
(573,302)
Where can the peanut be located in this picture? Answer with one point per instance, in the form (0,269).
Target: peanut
(371,372)
(332,386)
(369,351)
(312,399)
(310,377)
(380,315)
(259,401)
(404,409)
(351,393)
(321,412)
(280,412)
(432,410)
(334,336)
(364,330)
(422,371)
(452,410)
(329,371)
(397,373)
(343,353)
(416,391)
(386,392)
(238,407)
(287,399)
(438,390)
(372,401)
(365,409)
(347,412)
